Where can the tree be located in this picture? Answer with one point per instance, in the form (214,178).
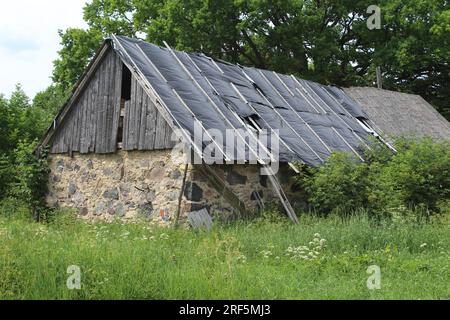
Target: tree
(46,105)
(326,41)
(4,125)
(78,47)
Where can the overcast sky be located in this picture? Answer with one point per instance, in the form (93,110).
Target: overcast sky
(29,40)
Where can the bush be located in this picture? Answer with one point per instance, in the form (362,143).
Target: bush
(414,180)
(6,175)
(338,186)
(417,177)
(31,177)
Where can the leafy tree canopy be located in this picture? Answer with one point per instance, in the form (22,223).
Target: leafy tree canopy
(323,40)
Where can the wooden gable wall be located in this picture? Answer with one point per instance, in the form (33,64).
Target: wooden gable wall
(92,124)
(144,128)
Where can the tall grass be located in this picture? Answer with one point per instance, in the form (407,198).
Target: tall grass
(242,260)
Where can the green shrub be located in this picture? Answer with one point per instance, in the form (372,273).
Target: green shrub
(31,178)
(6,175)
(414,182)
(417,177)
(338,186)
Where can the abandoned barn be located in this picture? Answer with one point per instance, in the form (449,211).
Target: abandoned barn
(112,144)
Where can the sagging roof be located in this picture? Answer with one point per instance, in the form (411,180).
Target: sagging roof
(397,114)
(312,120)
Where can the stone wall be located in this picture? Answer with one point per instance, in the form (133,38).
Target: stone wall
(121,185)
(147,184)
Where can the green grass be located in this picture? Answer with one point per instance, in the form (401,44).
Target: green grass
(246,260)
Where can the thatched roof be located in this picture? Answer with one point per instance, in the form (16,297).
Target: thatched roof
(399,114)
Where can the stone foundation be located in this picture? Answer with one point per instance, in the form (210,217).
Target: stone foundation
(127,185)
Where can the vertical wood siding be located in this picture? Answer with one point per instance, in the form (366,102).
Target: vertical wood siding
(144,127)
(93,122)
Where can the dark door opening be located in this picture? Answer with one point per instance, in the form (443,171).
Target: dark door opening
(125,96)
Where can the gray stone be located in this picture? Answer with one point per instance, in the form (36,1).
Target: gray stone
(83,211)
(56,178)
(100,208)
(76,168)
(200,219)
(146,209)
(78,199)
(124,189)
(69,166)
(114,173)
(150,196)
(108,172)
(90,164)
(72,189)
(175,174)
(235,178)
(60,165)
(193,192)
(111,194)
(156,173)
(173,195)
(120,210)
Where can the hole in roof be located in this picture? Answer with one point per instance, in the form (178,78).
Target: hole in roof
(126,83)
(252,121)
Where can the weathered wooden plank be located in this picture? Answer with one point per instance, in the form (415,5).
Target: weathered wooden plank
(84,143)
(67,133)
(168,143)
(94,114)
(160,132)
(135,116)
(138,116)
(105,95)
(150,132)
(116,100)
(126,126)
(130,114)
(98,110)
(101,110)
(77,122)
(110,90)
(143,118)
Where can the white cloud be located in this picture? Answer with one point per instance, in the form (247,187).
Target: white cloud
(29,40)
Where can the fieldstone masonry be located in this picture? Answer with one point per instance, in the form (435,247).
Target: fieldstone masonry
(131,184)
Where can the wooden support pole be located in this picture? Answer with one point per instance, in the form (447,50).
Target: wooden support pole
(379,79)
(183,186)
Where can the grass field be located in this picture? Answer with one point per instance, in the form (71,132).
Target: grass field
(246,260)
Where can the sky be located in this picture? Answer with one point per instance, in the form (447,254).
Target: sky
(29,40)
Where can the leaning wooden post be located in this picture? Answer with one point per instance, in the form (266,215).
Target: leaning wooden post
(183,186)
